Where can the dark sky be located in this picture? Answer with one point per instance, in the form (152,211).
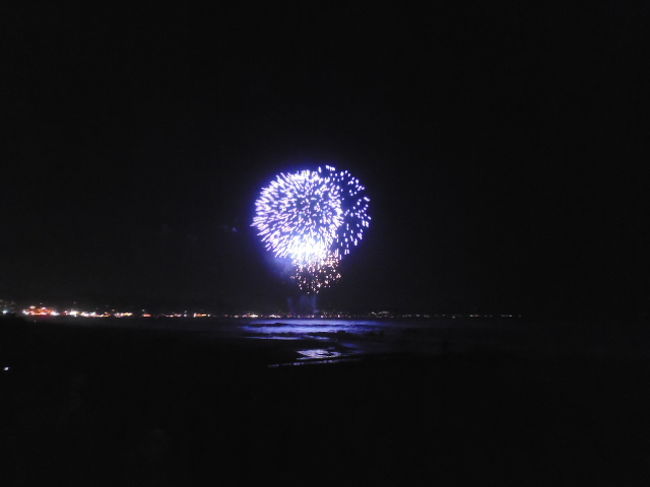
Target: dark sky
(496,139)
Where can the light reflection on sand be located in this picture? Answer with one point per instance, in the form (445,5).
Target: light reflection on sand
(343,337)
(318,353)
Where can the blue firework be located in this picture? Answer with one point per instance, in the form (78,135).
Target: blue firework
(313,218)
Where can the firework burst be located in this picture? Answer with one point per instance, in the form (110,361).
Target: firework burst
(312,218)
(298,216)
(354,204)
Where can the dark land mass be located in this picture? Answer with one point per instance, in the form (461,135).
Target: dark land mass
(113,406)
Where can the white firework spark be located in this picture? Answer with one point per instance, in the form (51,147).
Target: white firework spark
(354,203)
(313,218)
(311,278)
(298,216)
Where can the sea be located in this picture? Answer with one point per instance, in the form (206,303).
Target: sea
(297,342)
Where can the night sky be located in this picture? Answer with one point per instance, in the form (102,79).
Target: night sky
(496,140)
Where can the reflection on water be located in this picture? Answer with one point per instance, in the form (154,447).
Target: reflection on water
(274,337)
(342,336)
(305,341)
(310,327)
(317,353)
(321,356)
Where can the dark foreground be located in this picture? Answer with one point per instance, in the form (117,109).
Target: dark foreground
(115,407)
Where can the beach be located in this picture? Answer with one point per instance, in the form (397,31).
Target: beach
(170,404)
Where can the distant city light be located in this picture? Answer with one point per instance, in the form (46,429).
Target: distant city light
(122,314)
(40,311)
